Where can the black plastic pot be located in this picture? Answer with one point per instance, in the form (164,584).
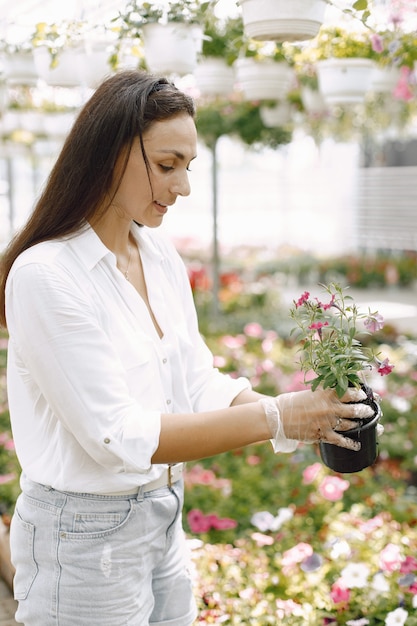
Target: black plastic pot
(349,461)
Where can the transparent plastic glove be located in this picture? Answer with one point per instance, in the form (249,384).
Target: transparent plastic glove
(312,416)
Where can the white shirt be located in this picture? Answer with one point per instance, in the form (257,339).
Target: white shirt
(88,376)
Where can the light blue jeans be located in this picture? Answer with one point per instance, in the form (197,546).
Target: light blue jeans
(89,560)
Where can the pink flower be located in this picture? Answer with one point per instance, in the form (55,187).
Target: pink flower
(7,478)
(374,322)
(310,473)
(302,299)
(286,607)
(327,306)
(402,90)
(408,565)
(318,325)
(370,525)
(198,522)
(262,540)
(253,459)
(233,342)
(332,488)
(253,330)
(297,554)
(390,558)
(221,523)
(377,43)
(385,367)
(339,593)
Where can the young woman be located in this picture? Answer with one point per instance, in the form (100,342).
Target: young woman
(110,385)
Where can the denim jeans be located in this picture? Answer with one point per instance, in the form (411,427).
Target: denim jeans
(91,560)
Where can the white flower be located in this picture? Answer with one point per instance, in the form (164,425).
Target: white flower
(264,520)
(355,575)
(414,602)
(396,618)
(358,622)
(380,583)
(284,515)
(340,548)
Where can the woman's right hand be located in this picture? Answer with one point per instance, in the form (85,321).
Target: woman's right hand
(313,416)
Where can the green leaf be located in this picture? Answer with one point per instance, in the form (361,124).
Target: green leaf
(360,5)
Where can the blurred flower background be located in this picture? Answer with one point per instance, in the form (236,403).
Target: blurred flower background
(325,194)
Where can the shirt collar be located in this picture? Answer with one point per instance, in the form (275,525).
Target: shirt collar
(93,250)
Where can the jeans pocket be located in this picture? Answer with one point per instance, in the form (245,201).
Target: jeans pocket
(22,536)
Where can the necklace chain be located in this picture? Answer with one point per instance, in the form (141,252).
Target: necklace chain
(126,272)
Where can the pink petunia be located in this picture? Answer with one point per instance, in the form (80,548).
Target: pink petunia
(390,558)
(253,329)
(327,306)
(332,488)
(339,593)
(297,554)
(408,565)
(385,367)
(374,322)
(198,522)
(311,472)
(377,43)
(302,299)
(318,325)
(402,89)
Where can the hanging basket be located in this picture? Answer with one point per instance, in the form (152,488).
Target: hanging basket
(276,116)
(214,77)
(68,69)
(384,79)
(344,81)
(19,68)
(263,79)
(171,48)
(282,20)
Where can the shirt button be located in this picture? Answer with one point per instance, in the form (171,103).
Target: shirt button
(168,401)
(165,360)
(107,440)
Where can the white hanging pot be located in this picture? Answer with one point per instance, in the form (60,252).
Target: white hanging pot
(68,69)
(344,81)
(20,69)
(96,67)
(214,77)
(171,48)
(384,79)
(263,79)
(282,20)
(313,101)
(276,116)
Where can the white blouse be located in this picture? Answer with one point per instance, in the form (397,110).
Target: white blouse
(88,376)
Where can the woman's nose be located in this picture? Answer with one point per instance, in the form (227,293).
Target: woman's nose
(181,186)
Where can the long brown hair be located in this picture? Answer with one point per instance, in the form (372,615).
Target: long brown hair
(122,108)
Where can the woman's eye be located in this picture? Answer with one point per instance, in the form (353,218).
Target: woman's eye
(166,168)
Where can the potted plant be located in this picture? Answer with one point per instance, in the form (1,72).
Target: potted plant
(19,64)
(281,20)
(171,34)
(56,48)
(394,50)
(333,354)
(264,71)
(214,73)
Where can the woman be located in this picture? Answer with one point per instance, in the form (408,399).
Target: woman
(110,385)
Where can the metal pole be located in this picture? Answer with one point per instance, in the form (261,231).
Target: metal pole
(215,254)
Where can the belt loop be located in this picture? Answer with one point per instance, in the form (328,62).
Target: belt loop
(141,495)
